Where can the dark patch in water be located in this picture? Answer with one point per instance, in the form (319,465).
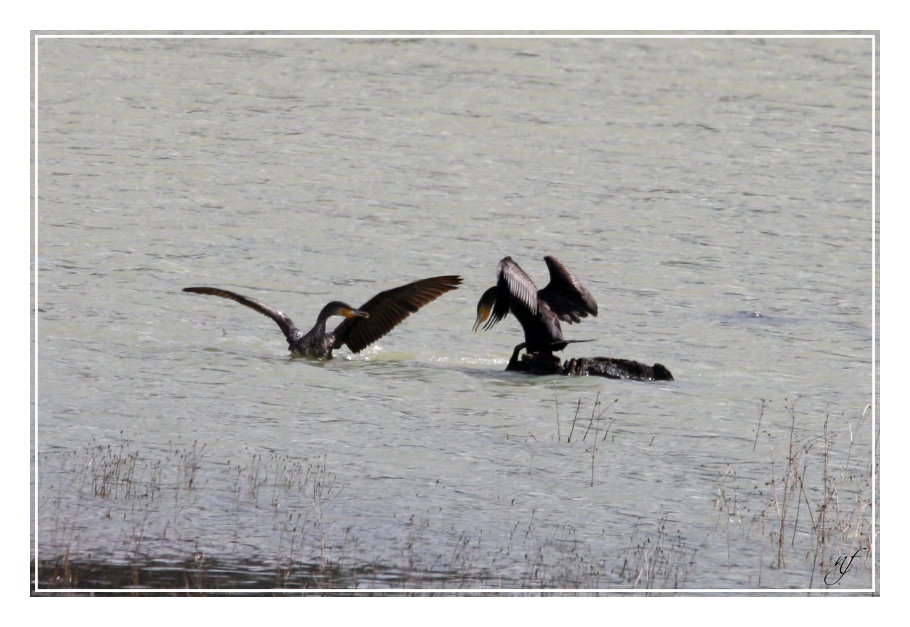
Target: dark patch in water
(158,577)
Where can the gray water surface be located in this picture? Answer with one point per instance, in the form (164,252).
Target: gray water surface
(713,194)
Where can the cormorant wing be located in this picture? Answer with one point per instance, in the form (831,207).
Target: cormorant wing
(387,309)
(514,288)
(565,294)
(284,323)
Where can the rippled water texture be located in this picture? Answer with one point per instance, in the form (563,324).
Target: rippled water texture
(715,196)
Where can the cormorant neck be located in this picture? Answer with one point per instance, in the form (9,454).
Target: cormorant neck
(327,312)
(318,328)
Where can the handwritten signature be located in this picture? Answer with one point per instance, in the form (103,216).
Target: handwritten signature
(843,566)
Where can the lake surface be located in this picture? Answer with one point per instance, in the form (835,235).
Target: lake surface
(715,195)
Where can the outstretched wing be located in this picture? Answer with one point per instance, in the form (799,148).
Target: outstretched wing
(514,289)
(565,294)
(387,310)
(284,323)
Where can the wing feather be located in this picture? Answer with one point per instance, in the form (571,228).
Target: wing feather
(514,288)
(284,323)
(565,294)
(389,308)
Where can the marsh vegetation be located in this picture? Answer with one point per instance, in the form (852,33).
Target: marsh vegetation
(115,517)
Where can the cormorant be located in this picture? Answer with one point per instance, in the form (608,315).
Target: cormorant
(361,327)
(538,311)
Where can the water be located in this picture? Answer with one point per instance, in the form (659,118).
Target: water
(713,194)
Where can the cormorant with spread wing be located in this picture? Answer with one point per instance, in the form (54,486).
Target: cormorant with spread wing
(361,327)
(538,311)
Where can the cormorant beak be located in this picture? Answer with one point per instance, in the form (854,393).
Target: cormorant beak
(354,313)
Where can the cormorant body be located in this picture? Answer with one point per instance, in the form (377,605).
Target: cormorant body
(361,327)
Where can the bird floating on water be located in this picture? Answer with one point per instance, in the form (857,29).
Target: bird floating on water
(538,311)
(361,327)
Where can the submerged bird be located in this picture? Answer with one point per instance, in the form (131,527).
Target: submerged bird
(361,327)
(538,311)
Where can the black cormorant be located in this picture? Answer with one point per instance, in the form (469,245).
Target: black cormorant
(538,311)
(361,327)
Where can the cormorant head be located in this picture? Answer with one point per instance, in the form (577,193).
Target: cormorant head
(485,307)
(337,308)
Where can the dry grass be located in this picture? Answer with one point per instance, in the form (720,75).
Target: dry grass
(816,507)
(813,509)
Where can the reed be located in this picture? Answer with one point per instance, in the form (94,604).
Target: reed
(819,497)
(813,508)
(661,561)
